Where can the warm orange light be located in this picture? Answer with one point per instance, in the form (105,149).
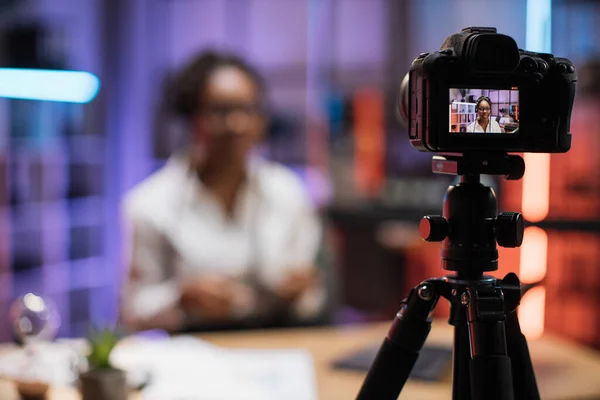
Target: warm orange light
(536,187)
(369,140)
(533,266)
(534,254)
(534,250)
(531,312)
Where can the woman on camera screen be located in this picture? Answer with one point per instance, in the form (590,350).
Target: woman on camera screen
(484,124)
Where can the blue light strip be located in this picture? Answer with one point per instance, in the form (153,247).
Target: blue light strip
(538,33)
(48,85)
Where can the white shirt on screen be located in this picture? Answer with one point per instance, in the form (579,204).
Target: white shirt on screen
(492,127)
(179,230)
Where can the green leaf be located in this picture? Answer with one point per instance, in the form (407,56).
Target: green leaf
(102,342)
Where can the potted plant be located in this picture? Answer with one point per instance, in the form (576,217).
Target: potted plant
(102,381)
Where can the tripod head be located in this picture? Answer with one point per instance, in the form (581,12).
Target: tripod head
(470,225)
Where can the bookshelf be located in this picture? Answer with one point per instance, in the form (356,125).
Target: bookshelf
(51,225)
(53,162)
(503,100)
(461,115)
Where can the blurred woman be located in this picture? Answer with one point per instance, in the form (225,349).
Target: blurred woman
(483,123)
(219,237)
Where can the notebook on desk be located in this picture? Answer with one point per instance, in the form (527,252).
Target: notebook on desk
(434,362)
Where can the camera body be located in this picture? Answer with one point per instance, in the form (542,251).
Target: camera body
(531,97)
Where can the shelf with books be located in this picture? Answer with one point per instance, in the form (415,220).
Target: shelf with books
(85,149)
(73,148)
(53,196)
(78,212)
(461,115)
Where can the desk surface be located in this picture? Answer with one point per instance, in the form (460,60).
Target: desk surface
(576,369)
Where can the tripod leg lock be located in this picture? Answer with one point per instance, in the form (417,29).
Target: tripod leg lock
(413,323)
(491,372)
(400,349)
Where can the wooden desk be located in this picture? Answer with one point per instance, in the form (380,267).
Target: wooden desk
(574,371)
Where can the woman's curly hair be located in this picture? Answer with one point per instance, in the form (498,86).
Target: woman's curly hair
(191,81)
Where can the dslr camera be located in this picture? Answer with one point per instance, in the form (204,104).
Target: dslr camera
(496,97)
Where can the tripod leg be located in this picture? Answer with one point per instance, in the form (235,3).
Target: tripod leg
(491,372)
(518,351)
(400,349)
(461,357)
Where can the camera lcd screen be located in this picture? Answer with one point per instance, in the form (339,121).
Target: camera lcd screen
(484,111)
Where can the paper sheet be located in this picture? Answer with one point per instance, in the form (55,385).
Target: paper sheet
(185,368)
(181,368)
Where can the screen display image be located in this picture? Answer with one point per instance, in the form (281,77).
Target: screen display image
(484,111)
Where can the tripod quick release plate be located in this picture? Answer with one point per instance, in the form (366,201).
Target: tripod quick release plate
(510,166)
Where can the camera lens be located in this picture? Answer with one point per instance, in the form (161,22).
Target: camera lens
(403,100)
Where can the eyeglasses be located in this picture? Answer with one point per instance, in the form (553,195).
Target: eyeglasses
(235,116)
(221,112)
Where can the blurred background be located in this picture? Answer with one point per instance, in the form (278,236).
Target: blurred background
(333,70)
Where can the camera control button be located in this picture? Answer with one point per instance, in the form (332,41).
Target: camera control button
(562,68)
(528,65)
(571,68)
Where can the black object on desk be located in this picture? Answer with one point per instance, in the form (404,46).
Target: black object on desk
(433,364)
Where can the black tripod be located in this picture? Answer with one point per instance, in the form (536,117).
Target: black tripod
(491,358)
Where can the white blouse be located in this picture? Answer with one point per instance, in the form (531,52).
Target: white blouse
(493,127)
(179,230)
